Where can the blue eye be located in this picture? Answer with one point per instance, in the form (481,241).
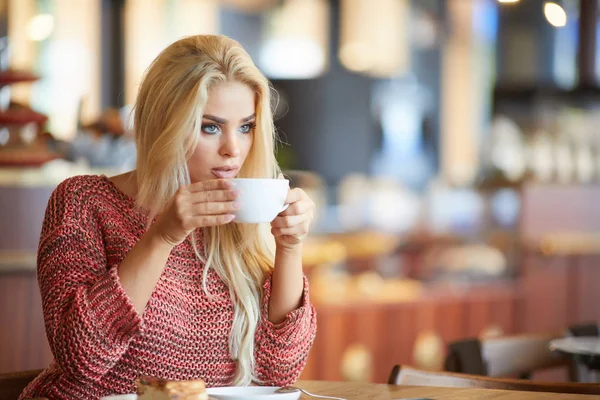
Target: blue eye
(247,128)
(211,129)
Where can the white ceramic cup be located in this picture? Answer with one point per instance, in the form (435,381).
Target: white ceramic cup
(260,199)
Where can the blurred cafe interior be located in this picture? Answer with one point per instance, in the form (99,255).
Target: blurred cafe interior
(449,146)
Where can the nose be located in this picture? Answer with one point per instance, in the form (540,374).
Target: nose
(229,145)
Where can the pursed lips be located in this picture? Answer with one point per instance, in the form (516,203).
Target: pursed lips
(225,172)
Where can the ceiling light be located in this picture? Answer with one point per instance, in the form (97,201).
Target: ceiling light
(555,14)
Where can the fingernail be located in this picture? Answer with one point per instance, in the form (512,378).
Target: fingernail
(230,218)
(237,205)
(237,192)
(231,184)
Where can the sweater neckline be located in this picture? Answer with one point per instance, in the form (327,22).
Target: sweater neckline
(127,199)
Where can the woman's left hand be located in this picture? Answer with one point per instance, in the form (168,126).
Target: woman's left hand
(292,225)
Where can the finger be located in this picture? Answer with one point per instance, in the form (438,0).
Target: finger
(213,184)
(214,208)
(212,220)
(298,231)
(214,196)
(290,220)
(294,195)
(297,208)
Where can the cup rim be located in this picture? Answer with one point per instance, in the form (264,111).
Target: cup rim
(259,179)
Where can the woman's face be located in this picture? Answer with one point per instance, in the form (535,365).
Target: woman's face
(227,132)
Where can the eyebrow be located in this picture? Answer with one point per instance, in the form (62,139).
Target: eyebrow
(224,121)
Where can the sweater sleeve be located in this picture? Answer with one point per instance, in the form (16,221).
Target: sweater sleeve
(88,316)
(281,349)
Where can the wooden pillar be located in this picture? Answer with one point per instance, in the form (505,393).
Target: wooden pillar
(112,54)
(586,55)
(464,87)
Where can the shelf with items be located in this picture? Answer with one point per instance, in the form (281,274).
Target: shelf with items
(530,93)
(11,76)
(542,134)
(20,116)
(23,139)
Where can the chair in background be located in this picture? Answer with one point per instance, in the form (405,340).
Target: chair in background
(590,329)
(13,383)
(404,375)
(577,372)
(510,356)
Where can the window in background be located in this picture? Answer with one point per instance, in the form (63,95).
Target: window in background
(565,47)
(597,61)
(249,6)
(453,210)
(406,107)
(400,108)
(59,40)
(506,208)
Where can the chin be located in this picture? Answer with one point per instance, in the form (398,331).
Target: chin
(198,179)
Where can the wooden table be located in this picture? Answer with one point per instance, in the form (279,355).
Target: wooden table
(372,391)
(376,391)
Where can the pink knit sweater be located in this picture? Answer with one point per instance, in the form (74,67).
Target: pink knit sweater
(100,343)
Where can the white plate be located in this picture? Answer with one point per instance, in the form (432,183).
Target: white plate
(120,397)
(231,393)
(250,393)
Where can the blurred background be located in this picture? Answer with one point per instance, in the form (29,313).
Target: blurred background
(450,146)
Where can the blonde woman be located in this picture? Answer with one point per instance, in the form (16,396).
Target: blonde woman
(145,274)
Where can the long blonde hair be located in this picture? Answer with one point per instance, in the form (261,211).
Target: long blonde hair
(168,116)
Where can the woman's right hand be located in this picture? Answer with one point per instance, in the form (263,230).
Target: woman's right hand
(202,204)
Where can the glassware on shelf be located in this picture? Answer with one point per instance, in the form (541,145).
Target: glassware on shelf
(584,160)
(564,159)
(540,156)
(508,151)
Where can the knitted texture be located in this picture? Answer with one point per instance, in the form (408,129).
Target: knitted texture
(99,342)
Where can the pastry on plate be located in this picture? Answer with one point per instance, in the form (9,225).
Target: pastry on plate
(150,388)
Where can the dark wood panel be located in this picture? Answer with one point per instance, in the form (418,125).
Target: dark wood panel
(311,370)
(504,313)
(478,316)
(550,209)
(333,342)
(388,333)
(426,315)
(491,315)
(450,320)
(22,208)
(370,332)
(587,288)
(23,343)
(402,329)
(545,288)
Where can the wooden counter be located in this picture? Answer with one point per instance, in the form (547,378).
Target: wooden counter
(364,339)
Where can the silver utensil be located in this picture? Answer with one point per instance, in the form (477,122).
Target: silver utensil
(290,389)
